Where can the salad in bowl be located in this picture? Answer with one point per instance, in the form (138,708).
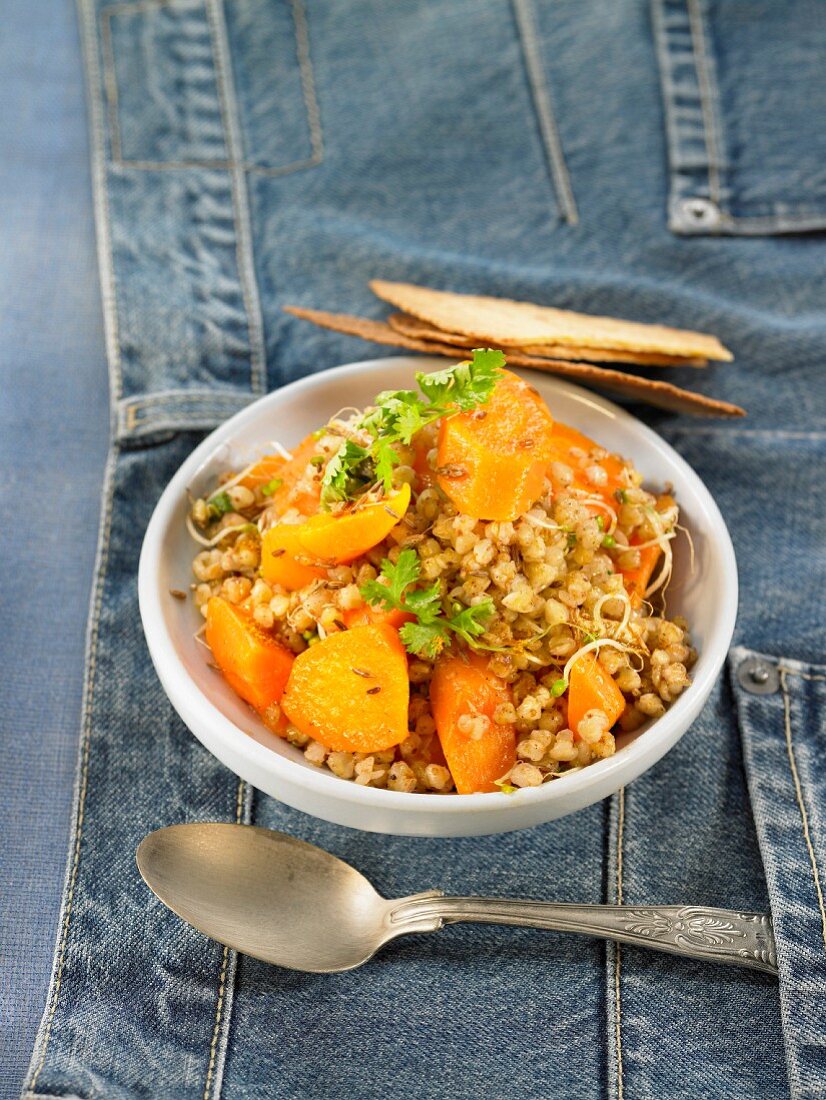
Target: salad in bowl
(446,592)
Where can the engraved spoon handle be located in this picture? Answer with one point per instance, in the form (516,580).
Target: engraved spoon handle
(716,935)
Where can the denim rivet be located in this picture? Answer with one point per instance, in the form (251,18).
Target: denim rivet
(758,677)
(700,212)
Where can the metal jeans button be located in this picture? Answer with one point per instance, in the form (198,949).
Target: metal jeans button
(758,676)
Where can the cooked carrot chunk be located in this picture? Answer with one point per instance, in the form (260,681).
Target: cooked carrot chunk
(351,690)
(253,663)
(637,580)
(295,490)
(564,441)
(592,688)
(284,559)
(337,539)
(265,470)
(492,461)
(462,691)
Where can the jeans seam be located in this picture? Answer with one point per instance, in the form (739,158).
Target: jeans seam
(615,1076)
(707,90)
(618,950)
(543,106)
(238,189)
(241,800)
(308,89)
(798,790)
(110,81)
(106,268)
(89,686)
(803,675)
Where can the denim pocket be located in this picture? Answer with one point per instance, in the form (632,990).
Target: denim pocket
(780,708)
(189,85)
(745,94)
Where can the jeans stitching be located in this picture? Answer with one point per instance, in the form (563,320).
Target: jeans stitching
(802,675)
(543,106)
(91,649)
(798,790)
(108,284)
(222,981)
(302,47)
(230,164)
(618,946)
(706,86)
(238,184)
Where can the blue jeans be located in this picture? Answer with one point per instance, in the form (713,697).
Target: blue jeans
(619,160)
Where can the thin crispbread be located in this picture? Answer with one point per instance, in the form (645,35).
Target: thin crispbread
(508,322)
(652,391)
(409,325)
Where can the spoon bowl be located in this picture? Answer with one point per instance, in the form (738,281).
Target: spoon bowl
(269,895)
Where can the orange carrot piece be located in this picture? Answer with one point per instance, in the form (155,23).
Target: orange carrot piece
(367,615)
(337,539)
(637,580)
(592,688)
(464,686)
(563,439)
(280,550)
(288,494)
(351,690)
(253,663)
(493,460)
(265,470)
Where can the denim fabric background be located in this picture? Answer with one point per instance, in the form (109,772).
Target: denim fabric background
(54,422)
(254,153)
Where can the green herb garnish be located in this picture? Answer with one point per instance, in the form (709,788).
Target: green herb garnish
(431,632)
(271,486)
(219,505)
(609,541)
(398,415)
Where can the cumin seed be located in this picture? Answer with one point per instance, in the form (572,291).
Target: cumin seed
(361,672)
(374,690)
(177,593)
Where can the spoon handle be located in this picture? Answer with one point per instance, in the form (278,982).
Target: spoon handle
(716,935)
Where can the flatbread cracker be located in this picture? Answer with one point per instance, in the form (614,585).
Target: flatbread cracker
(503,321)
(421,330)
(653,392)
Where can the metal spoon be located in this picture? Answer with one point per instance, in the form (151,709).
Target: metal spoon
(287,902)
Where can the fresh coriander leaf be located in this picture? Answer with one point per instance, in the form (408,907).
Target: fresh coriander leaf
(340,478)
(398,577)
(425,639)
(385,458)
(219,504)
(465,385)
(424,603)
(469,623)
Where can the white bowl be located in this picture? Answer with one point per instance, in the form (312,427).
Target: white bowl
(706,596)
